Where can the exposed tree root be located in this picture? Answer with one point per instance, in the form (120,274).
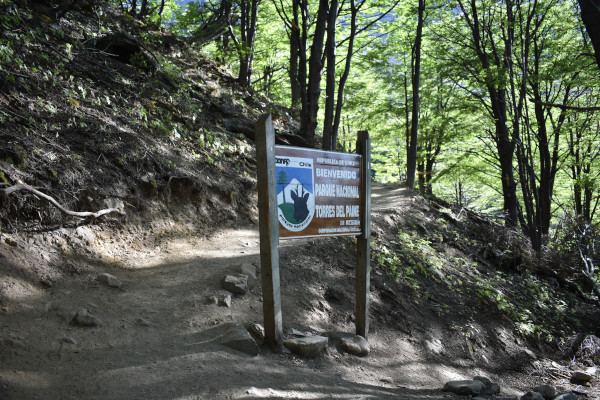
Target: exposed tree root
(84,214)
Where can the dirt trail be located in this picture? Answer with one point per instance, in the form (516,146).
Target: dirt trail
(159,336)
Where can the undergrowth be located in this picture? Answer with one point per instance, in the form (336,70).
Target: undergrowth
(535,307)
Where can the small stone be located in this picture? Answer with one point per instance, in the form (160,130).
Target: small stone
(236,284)
(248,269)
(239,338)
(490,387)
(14,343)
(494,389)
(465,388)
(226,301)
(143,322)
(296,332)
(258,332)
(84,318)
(566,396)
(532,396)
(212,300)
(46,282)
(310,346)
(10,242)
(356,345)
(69,340)
(545,390)
(580,376)
(387,379)
(110,280)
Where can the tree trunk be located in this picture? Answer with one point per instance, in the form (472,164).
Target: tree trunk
(161,9)
(143,9)
(302,62)
(458,191)
(590,15)
(506,153)
(411,157)
(406,116)
(308,116)
(421,176)
(249,11)
(342,84)
(329,142)
(294,56)
(429,164)
(491,60)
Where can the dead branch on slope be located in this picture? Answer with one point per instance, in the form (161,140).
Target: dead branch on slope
(85,214)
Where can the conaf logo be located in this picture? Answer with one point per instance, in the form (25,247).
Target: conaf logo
(295,192)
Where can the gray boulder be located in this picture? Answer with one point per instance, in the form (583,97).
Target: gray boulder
(545,390)
(580,376)
(310,346)
(236,284)
(258,332)
(250,271)
(491,388)
(238,338)
(566,396)
(84,318)
(110,280)
(356,345)
(226,301)
(532,396)
(465,388)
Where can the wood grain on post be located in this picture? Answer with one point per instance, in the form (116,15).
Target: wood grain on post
(269,231)
(363,253)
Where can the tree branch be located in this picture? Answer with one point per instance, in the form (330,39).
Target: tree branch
(85,214)
(565,107)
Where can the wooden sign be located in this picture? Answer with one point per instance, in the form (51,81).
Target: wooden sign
(319,192)
(305,192)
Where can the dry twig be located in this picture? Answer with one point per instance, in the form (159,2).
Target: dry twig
(84,214)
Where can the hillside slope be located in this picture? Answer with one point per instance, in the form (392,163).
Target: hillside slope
(156,130)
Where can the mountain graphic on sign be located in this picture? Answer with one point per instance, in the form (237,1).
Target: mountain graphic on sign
(299,203)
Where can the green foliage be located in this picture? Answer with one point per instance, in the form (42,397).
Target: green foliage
(534,308)
(408,256)
(190,17)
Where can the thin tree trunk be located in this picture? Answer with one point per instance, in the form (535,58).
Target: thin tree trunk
(406,116)
(308,116)
(497,96)
(344,78)
(328,140)
(294,55)
(249,10)
(411,157)
(590,15)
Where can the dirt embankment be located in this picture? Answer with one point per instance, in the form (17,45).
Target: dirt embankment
(159,329)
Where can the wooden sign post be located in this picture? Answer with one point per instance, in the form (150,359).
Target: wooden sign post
(310,193)
(268,226)
(363,241)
